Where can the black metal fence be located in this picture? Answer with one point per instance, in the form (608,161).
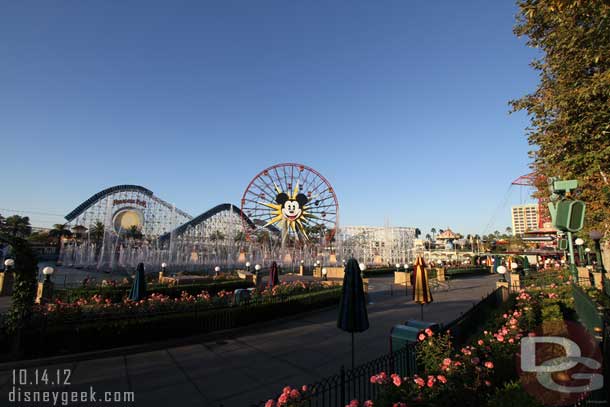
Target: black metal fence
(463,327)
(339,389)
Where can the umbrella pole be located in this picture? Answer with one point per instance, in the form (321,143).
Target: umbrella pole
(353,350)
(421,312)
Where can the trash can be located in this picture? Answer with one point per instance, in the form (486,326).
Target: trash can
(402,335)
(241,295)
(422,325)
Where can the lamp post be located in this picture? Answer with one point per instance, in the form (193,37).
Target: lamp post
(502,271)
(248,266)
(45,289)
(216,271)
(8,264)
(406,267)
(362,268)
(579,242)
(587,251)
(324,274)
(6,278)
(596,236)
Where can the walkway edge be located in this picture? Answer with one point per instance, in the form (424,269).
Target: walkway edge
(158,345)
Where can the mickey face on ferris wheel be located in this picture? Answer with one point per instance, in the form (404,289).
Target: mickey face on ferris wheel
(292,209)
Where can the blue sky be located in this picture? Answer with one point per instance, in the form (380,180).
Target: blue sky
(402,105)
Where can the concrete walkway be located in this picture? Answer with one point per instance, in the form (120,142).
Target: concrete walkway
(240,370)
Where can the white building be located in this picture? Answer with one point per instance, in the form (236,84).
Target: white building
(525,218)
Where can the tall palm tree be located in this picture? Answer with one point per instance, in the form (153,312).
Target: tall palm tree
(96,232)
(133,232)
(17,226)
(60,231)
(433,230)
(509,230)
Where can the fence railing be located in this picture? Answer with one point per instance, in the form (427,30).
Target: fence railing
(463,326)
(339,389)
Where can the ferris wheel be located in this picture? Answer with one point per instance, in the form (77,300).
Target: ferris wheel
(293,200)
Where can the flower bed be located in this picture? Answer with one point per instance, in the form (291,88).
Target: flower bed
(96,324)
(98,307)
(117,292)
(481,373)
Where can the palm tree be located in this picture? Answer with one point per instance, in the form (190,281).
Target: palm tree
(240,237)
(96,232)
(417,233)
(133,232)
(509,230)
(60,231)
(433,230)
(17,226)
(217,235)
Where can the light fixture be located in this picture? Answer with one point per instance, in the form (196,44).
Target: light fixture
(163,265)
(596,235)
(501,270)
(217,269)
(48,271)
(514,266)
(406,266)
(587,250)
(257,267)
(362,266)
(579,242)
(8,263)
(247,264)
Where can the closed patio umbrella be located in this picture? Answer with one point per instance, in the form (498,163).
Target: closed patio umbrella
(138,290)
(352,306)
(421,286)
(274,278)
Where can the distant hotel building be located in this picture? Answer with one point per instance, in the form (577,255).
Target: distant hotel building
(525,218)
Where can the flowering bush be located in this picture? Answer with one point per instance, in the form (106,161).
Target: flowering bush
(97,306)
(480,373)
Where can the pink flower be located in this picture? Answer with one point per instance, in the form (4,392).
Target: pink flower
(487,383)
(489,365)
(431,381)
(399,404)
(500,338)
(353,403)
(511,340)
(480,342)
(428,331)
(531,334)
(421,337)
(475,360)
(304,388)
(446,362)
(419,381)
(270,403)
(294,394)
(396,380)
(441,378)
(368,403)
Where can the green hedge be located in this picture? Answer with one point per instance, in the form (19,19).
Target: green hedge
(382,271)
(462,271)
(116,294)
(103,334)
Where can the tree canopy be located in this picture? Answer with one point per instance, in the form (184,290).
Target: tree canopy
(570,109)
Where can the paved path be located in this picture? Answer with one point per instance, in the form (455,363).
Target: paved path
(256,365)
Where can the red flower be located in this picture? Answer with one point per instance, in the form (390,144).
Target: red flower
(489,365)
(441,378)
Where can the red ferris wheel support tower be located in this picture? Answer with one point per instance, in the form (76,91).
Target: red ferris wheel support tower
(530,180)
